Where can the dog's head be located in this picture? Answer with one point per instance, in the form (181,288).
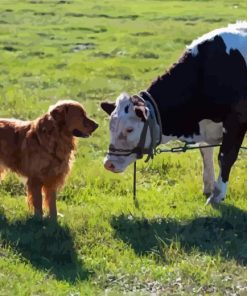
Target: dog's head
(72,117)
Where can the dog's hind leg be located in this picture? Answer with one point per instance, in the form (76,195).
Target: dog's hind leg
(34,197)
(50,201)
(2,171)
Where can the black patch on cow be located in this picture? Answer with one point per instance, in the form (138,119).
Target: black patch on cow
(205,86)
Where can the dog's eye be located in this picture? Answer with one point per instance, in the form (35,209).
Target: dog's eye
(129,130)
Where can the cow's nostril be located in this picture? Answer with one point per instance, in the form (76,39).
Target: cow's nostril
(112,166)
(109,165)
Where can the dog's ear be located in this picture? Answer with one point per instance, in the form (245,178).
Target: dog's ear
(59,112)
(45,125)
(108,107)
(46,132)
(141,112)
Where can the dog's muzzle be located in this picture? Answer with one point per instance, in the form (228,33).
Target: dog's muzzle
(79,134)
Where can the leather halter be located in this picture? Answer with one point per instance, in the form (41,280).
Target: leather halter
(152,121)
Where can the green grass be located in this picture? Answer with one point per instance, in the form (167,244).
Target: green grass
(102,244)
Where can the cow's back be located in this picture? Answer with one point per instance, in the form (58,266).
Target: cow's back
(222,56)
(234,37)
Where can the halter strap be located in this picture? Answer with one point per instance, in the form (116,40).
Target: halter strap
(151,122)
(148,98)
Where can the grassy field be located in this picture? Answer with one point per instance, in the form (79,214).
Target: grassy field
(102,244)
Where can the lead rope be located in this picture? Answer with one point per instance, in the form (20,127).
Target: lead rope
(174,149)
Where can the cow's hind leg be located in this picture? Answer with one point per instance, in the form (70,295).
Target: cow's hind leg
(208,170)
(232,139)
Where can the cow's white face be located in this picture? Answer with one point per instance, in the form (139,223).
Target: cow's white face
(126,124)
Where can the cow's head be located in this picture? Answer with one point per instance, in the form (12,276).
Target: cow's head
(127,118)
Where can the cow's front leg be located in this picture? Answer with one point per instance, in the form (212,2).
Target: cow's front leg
(232,140)
(208,170)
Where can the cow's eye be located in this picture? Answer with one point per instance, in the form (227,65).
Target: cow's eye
(129,130)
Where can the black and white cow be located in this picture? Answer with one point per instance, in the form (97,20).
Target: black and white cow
(202,98)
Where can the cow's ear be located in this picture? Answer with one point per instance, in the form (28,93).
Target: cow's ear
(108,107)
(141,112)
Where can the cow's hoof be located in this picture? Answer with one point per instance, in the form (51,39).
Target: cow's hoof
(216,197)
(214,200)
(207,194)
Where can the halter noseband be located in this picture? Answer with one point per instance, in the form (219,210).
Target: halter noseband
(152,121)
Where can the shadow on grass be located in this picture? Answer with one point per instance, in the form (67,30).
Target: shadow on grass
(45,244)
(212,235)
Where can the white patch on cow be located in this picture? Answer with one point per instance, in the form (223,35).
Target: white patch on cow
(121,122)
(209,131)
(234,36)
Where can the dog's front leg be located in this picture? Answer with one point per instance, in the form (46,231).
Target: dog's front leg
(34,197)
(50,201)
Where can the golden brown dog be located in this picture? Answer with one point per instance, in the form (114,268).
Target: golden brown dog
(42,150)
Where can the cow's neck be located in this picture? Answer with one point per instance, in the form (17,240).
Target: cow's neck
(175,94)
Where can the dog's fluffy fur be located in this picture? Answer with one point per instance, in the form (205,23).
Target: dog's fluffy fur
(42,150)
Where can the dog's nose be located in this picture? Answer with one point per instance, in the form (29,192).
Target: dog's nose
(109,165)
